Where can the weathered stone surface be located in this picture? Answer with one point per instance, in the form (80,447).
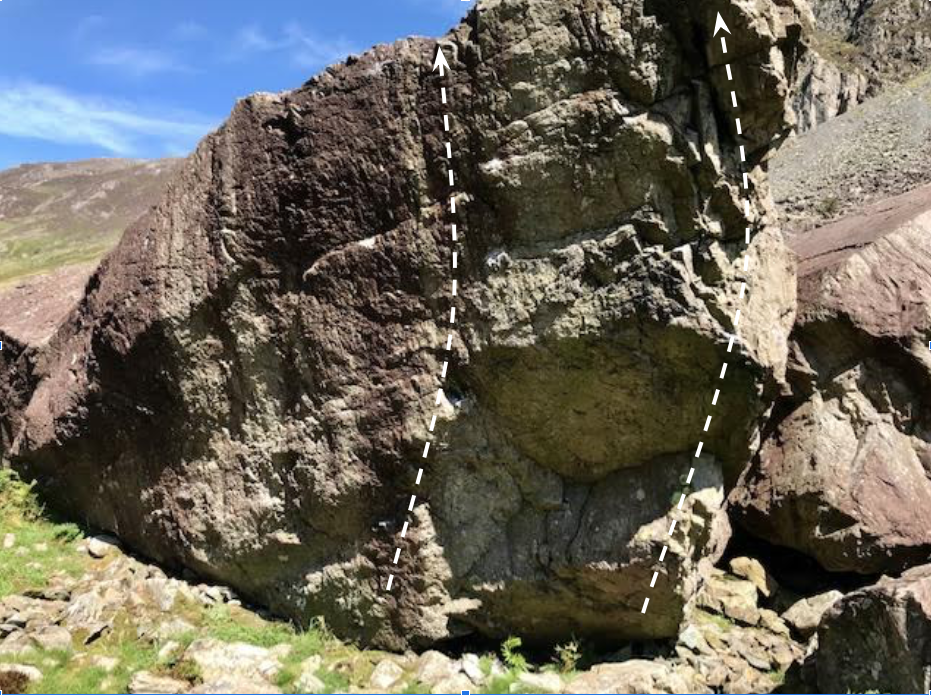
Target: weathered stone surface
(224,686)
(219,661)
(731,597)
(433,667)
(102,546)
(754,572)
(805,616)
(637,677)
(844,477)
(145,682)
(386,674)
(879,638)
(263,349)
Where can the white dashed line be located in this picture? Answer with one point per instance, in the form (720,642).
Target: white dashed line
(733,337)
(444,97)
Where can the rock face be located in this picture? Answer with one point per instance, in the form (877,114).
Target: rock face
(879,638)
(844,475)
(246,386)
(857,48)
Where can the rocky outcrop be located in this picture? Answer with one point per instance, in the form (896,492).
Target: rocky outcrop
(246,386)
(857,49)
(843,476)
(876,152)
(826,89)
(879,638)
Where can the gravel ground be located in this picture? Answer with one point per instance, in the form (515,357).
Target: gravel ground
(877,150)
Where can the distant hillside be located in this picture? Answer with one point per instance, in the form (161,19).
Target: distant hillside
(877,150)
(54,215)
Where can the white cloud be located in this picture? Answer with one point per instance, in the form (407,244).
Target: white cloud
(43,112)
(304,49)
(138,62)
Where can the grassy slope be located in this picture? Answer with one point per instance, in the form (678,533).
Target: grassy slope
(57,215)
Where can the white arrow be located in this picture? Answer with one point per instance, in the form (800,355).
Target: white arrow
(440,61)
(719,24)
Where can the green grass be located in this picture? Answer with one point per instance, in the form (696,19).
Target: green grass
(26,565)
(220,622)
(41,254)
(342,665)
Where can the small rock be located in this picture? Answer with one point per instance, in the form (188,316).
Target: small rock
(237,661)
(433,667)
(538,683)
(9,540)
(29,674)
(163,592)
(472,667)
(385,675)
(145,682)
(772,622)
(16,643)
(734,598)
(309,683)
(52,638)
(168,650)
(804,616)
(100,547)
(751,570)
(40,547)
(225,686)
(457,683)
(692,638)
(50,593)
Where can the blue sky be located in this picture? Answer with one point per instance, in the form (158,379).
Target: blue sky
(127,78)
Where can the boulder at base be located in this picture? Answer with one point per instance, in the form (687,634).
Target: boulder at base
(844,476)
(878,639)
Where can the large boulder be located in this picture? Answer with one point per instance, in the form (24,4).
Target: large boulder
(878,639)
(246,387)
(844,474)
